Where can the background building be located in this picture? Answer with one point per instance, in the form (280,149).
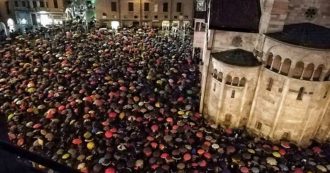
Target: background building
(166,13)
(266,66)
(22,14)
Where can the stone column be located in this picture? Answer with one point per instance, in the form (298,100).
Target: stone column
(280,107)
(221,99)
(255,96)
(242,104)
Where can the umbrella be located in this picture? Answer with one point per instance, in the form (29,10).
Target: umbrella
(321,168)
(316,150)
(298,170)
(230,149)
(283,167)
(186,157)
(276,154)
(244,169)
(110,170)
(255,170)
(285,144)
(272,161)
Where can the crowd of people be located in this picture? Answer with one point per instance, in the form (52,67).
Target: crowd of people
(127,101)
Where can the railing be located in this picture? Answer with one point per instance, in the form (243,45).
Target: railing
(13,152)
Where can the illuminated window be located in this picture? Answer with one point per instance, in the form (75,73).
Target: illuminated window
(156,8)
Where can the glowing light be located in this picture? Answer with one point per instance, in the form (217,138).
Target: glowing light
(45,20)
(114,25)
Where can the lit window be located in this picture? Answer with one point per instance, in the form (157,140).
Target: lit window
(156,8)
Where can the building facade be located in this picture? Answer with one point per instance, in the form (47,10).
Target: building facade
(22,14)
(166,13)
(268,71)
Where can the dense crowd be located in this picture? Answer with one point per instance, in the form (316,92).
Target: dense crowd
(127,101)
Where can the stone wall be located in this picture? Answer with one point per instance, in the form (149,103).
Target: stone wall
(298,9)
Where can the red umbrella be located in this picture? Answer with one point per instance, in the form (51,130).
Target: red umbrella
(317,150)
(169,119)
(98,102)
(186,157)
(207,155)
(154,166)
(298,170)
(50,113)
(199,134)
(36,126)
(282,152)
(113,130)
(180,99)
(123,88)
(76,141)
(112,114)
(229,131)
(154,128)
(244,169)
(175,127)
(110,170)
(108,134)
(200,151)
(202,163)
(61,108)
(154,145)
(164,155)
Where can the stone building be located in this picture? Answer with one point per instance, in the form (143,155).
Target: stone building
(266,67)
(21,14)
(164,13)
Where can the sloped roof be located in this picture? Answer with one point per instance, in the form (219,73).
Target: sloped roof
(235,15)
(237,57)
(304,34)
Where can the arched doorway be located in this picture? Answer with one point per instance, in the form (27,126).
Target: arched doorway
(11,24)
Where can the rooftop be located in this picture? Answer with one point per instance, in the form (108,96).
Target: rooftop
(237,57)
(235,15)
(304,34)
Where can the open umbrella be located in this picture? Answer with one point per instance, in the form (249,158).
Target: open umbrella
(272,161)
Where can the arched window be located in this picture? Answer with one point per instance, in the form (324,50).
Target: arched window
(269,60)
(277,64)
(270,84)
(285,69)
(297,71)
(242,82)
(220,76)
(318,72)
(214,73)
(327,76)
(308,72)
(300,93)
(235,81)
(228,80)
